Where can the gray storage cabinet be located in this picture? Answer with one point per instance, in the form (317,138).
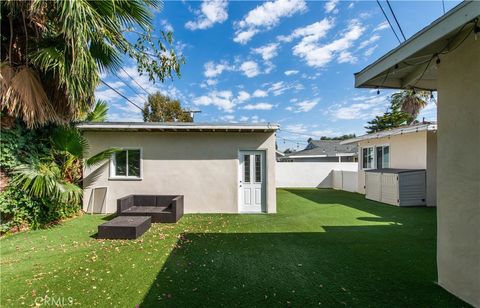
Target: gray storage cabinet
(401,187)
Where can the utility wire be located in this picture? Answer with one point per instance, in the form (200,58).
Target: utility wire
(388,20)
(296,133)
(129,86)
(134,80)
(128,100)
(396,20)
(443,4)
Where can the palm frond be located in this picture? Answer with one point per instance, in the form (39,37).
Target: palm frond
(69,140)
(101,156)
(99,112)
(23,96)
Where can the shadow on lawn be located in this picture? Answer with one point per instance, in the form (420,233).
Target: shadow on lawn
(373,265)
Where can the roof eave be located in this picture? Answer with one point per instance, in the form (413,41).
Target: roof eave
(452,20)
(392,132)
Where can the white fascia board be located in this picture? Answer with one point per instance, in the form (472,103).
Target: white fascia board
(307,156)
(173,127)
(452,20)
(393,132)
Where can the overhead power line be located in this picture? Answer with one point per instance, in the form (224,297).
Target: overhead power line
(396,20)
(388,20)
(138,84)
(126,98)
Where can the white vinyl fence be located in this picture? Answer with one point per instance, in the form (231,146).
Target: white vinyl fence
(314,174)
(345,180)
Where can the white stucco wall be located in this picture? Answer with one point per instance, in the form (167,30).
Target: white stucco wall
(309,174)
(458,172)
(202,166)
(407,151)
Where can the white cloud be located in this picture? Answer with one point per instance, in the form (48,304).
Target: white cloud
(291,72)
(296,128)
(346,57)
(268,51)
(370,51)
(211,12)
(250,69)
(318,55)
(278,88)
(303,106)
(213,69)
(382,26)
(365,107)
(243,96)
(221,99)
(369,41)
(259,106)
(228,118)
(330,6)
(306,105)
(166,26)
(310,33)
(260,93)
(266,16)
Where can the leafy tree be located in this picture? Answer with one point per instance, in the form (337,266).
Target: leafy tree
(161,108)
(394,117)
(410,102)
(343,137)
(52,53)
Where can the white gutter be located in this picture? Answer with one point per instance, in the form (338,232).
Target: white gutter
(452,20)
(119,126)
(393,132)
(345,154)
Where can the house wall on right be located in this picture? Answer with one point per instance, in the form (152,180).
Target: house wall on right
(415,150)
(458,171)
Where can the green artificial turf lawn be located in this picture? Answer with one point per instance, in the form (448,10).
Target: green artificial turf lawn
(324,247)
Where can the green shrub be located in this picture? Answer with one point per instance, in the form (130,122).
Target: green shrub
(18,209)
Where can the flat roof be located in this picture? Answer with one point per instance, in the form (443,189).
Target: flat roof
(177,127)
(392,132)
(413,63)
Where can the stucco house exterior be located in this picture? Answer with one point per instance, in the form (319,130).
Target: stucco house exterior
(324,151)
(407,147)
(218,168)
(445,56)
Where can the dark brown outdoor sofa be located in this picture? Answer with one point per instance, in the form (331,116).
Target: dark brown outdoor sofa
(167,209)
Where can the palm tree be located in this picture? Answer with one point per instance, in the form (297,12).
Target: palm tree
(411,102)
(52,53)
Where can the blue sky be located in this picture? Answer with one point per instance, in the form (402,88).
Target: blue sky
(289,62)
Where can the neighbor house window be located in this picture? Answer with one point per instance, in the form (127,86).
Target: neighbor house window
(367,158)
(383,156)
(126,164)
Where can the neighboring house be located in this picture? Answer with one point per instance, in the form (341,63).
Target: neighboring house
(323,151)
(217,168)
(279,155)
(407,147)
(445,56)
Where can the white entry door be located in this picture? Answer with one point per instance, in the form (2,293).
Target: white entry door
(252,181)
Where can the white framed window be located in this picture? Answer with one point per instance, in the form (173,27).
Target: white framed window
(367,158)
(382,156)
(376,157)
(126,164)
